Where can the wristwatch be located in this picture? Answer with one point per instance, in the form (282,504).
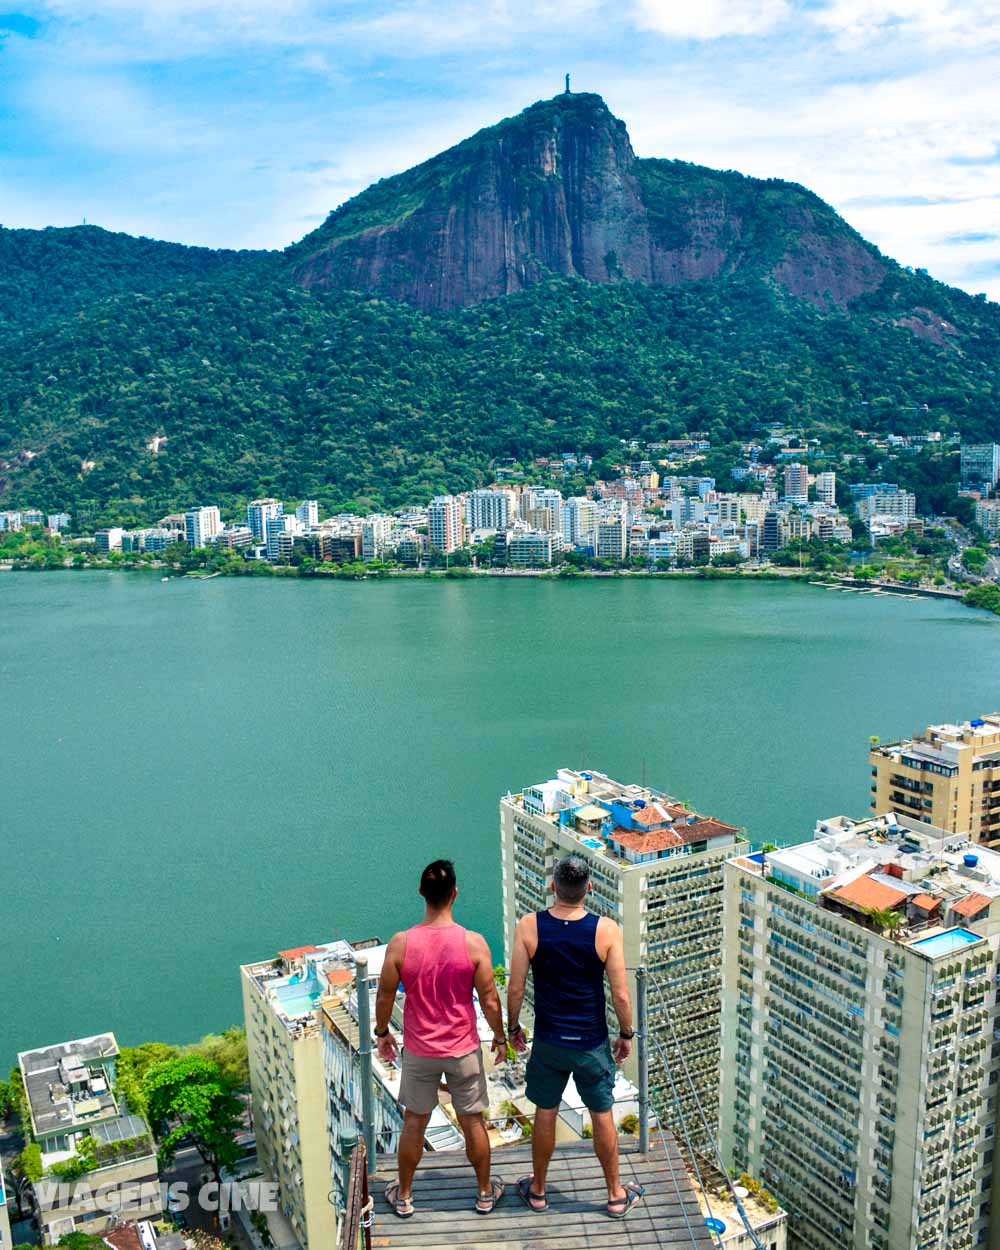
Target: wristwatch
(384,1033)
(626,1037)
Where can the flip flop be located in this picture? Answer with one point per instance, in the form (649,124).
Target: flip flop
(633,1196)
(403,1207)
(528,1197)
(485,1203)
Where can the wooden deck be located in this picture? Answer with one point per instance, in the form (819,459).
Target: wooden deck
(444,1198)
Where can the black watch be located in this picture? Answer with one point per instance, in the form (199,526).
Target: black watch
(384,1033)
(626,1037)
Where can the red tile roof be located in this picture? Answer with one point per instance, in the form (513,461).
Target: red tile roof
(972,905)
(868,895)
(124,1237)
(297,951)
(648,841)
(926,902)
(340,976)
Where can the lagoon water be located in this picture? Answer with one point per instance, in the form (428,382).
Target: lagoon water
(196,774)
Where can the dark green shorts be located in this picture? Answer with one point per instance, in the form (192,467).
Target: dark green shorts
(550,1067)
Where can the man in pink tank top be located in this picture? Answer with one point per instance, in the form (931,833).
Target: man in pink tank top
(440,964)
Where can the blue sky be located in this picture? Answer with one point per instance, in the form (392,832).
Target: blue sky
(243,122)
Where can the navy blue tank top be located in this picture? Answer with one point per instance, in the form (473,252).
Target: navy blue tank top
(569,983)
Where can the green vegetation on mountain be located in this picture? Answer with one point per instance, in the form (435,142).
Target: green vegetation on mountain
(261,387)
(369,365)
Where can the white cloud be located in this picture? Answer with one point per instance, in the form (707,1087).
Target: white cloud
(709,19)
(936,23)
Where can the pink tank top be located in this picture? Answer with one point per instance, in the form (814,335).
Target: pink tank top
(439,1019)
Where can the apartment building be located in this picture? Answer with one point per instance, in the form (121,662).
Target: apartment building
(201,525)
(895,503)
(259,512)
(826,488)
(375,533)
(859,1063)
(6,1240)
(796,478)
(579,520)
(657,870)
(491,509)
(84,1131)
(988,517)
(445,531)
(307,513)
(526,548)
(285,1048)
(980,465)
(948,776)
(612,538)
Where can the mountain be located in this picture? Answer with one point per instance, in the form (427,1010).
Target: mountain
(533,290)
(558,191)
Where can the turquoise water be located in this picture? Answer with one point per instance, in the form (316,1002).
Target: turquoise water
(945,943)
(298,1004)
(198,774)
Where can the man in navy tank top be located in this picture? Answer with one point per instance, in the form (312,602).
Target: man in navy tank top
(570,951)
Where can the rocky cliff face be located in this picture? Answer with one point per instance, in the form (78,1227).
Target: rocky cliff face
(558,190)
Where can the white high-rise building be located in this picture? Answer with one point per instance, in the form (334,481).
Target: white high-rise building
(796,483)
(375,531)
(308,513)
(826,487)
(445,531)
(859,1053)
(579,520)
(656,869)
(258,514)
(201,525)
(899,503)
(492,509)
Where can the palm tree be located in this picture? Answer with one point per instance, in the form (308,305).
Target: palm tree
(886,920)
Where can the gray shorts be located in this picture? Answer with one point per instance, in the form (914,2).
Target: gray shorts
(465,1077)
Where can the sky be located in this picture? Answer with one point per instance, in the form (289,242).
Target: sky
(242,123)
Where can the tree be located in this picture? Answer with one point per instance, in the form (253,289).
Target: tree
(29,1162)
(190,1096)
(885,920)
(133,1064)
(229,1051)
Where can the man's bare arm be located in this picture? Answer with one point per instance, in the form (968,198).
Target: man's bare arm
(486,988)
(617,977)
(388,982)
(517,976)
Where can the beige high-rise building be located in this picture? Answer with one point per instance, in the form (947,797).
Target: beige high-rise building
(949,776)
(859,1061)
(656,868)
(826,487)
(288,1083)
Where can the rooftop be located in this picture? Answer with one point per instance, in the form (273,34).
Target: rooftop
(443,1194)
(936,881)
(67,1085)
(948,740)
(623,822)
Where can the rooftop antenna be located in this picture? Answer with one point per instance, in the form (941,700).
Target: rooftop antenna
(583,754)
(644,774)
(567,84)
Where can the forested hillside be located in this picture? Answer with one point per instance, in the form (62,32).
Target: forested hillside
(654,298)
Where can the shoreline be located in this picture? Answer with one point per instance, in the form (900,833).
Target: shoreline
(462,573)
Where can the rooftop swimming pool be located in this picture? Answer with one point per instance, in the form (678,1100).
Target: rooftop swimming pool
(946,943)
(594,843)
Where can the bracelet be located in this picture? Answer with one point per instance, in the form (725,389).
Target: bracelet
(626,1037)
(515,1028)
(384,1033)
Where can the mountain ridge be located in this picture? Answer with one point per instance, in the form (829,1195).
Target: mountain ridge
(557,191)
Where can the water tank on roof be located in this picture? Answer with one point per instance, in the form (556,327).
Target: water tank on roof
(977,724)
(970,860)
(639,804)
(587,776)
